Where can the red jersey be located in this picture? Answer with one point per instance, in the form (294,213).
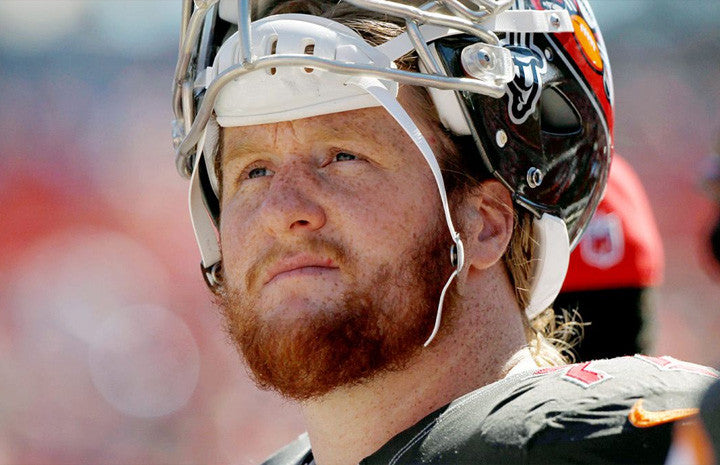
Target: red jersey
(621,246)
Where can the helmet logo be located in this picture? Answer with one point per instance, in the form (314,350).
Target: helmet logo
(586,39)
(524,90)
(585,26)
(603,245)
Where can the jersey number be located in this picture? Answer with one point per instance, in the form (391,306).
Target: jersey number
(580,373)
(583,375)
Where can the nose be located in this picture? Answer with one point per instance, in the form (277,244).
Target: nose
(290,206)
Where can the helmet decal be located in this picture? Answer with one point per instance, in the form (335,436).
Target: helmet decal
(585,25)
(585,49)
(589,16)
(530,66)
(603,244)
(587,42)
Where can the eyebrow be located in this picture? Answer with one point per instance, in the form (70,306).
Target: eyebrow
(237,147)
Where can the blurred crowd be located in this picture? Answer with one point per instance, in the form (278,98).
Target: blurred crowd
(110,349)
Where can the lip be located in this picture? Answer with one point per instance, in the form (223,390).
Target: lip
(298,265)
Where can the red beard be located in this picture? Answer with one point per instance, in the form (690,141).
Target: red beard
(375,328)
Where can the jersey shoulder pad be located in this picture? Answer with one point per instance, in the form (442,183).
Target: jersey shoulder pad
(580,412)
(617,410)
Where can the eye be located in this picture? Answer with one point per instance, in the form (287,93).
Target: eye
(259,172)
(344,156)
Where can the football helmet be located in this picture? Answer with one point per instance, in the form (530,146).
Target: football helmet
(527,80)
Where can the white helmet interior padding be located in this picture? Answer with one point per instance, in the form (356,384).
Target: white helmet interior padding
(552,257)
(297,92)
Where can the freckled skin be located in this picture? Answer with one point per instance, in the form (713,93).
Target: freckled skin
(352,195)
(375,206)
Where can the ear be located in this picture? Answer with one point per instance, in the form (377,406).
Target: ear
(487,219)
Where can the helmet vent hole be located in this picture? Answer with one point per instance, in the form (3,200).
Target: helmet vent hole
(557,115)
(273,51)
(309,50)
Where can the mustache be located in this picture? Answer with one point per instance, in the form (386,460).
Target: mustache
(329,248)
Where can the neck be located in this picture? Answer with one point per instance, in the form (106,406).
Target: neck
(350,423)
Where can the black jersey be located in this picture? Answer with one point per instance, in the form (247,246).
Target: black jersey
(605,411)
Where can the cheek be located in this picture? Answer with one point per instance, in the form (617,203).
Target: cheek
(377,216)
(392,215)
(236,241)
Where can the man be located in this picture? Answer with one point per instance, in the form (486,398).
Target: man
(389,246)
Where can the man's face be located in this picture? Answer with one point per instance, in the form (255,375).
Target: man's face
(334,249)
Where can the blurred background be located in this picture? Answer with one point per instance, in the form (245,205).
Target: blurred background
(110,349)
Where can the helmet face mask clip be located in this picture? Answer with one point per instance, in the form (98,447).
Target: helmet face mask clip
(512,75)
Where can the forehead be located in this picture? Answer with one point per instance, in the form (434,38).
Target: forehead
(369,125)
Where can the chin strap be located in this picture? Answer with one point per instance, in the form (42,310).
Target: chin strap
(455,252)
(388,100)
(205,232)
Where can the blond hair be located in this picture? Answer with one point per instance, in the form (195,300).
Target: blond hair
(550,337)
